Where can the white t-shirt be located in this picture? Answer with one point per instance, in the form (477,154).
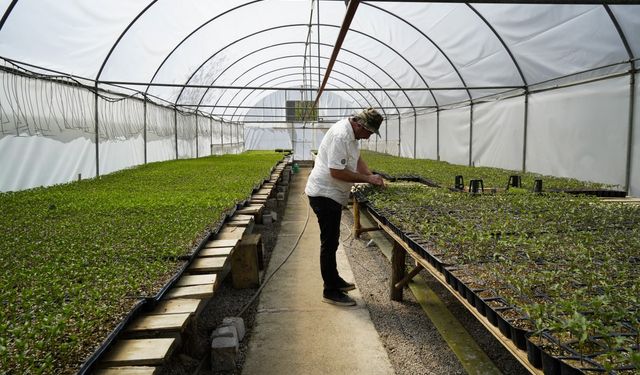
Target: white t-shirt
(339,150)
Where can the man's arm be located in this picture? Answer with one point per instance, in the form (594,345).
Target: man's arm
(349,176)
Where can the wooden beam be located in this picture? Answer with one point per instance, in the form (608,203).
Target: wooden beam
(400,284)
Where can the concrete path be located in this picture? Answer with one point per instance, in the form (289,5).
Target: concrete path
(295,332)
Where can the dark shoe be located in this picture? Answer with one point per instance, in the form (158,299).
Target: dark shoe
(344,286)
(336,297)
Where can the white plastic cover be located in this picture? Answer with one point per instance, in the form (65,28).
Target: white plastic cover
(393,55)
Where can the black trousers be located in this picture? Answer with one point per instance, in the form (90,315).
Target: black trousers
(329,213)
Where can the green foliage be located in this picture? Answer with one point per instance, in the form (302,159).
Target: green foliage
(77,257)
(569,262)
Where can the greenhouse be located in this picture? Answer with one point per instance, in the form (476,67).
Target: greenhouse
(170,187)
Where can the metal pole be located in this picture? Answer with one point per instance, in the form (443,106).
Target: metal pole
(210,136)
(632,99)
(470,134)
(175,128)
(399,134)
(438,134)
(144,129)
(196,135)
(415,135)
(97,133)
(526,126)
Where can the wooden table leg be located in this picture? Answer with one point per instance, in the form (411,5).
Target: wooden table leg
(398,256)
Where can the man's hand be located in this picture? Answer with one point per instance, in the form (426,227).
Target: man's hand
(375,179)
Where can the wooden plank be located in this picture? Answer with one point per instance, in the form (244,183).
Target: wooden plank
(190,292)
(240,217)
(159,323)
(240,223)
(222,243)
(188,280)
(216,252)
(126,370)
(139,352)
(232,229)
(254,209)
(630,200)
(207,264)
(177,306)
(225,235)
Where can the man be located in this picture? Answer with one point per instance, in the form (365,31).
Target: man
(337,166)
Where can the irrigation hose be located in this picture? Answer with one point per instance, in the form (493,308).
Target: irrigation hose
(293,248)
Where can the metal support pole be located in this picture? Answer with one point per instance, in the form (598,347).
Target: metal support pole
(175,129)
(399,134)
(526,128)
(222,135)
(97,132)
(632,99)
(210,136)
(415,135)
(471,134)
(196,135)
(438,134)
(144,128)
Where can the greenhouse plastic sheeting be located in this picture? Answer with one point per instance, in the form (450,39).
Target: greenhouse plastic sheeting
(580,131)
(264,138)
(468,71)
(498,134)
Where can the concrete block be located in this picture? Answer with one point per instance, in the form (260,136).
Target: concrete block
(267,219)
(238,323)
(224,348)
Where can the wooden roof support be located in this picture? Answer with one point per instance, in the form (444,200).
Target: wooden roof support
(348,17)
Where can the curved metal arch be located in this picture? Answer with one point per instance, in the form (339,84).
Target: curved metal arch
(297,67)
(7,12)
(193,32)
(295,89)
(302,25)
(430,40)
(113,47)
(289,56)
(299,80)
(504,45)
(623,37)
(262,75)
(325,44)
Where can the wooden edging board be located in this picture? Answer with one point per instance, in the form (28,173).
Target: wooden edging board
(520,355)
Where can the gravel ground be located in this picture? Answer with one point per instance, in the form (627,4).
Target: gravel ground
(413,344)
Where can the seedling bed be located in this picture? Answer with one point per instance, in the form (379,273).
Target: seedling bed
(78,257)
(569,283)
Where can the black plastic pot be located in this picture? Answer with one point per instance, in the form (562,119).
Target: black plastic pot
(550,364)
(503,324)
(534,353)
(519,336)
(479,304)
